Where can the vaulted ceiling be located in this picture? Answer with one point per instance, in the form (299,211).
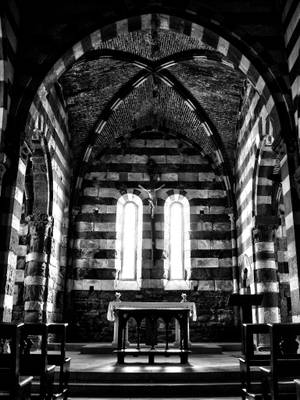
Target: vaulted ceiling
(155,79)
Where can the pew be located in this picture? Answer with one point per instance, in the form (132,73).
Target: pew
(34,360)
(278,377)
(60,359)
(251,357)
(12,384)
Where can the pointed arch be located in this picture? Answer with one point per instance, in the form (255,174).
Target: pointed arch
(177,251)
(129,234)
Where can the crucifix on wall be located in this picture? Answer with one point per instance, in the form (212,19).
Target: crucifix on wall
(152,197)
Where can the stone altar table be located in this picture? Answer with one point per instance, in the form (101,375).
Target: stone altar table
(120,312)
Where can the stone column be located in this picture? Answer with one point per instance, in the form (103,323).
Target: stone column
(235,270)
(288,157)
(37,268)
(265,271)
(10,206)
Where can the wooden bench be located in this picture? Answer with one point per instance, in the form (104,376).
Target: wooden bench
(251,358)
(59,358)
(12,385)
(278,378)
(34,359)
(151,353)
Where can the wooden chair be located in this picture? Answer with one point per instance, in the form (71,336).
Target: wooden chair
(278,378)
(251,358)
(12,385)
(34,358)
(59,358)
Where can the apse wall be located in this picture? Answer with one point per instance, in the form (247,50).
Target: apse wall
(181,169)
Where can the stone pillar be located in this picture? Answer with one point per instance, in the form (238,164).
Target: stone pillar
(37,268)
(288,156)
(10,208)
(265,271)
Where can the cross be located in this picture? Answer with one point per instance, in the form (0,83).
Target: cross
(152,201)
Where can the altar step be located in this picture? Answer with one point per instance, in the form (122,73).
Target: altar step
(129,382)
(196,348)
(150,390)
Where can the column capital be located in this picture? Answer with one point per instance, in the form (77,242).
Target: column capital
(264,228)
(264,233)
(231,216)
(38,220)
(4,158)
(4,164)
(25,151)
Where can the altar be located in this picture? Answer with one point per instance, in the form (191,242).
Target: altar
(120,313)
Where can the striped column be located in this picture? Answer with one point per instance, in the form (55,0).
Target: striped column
(235,269)
(10,207)
(37,268)
(265,272)
(292,224)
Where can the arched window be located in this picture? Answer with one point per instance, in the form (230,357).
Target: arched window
(129,242)
(177,263)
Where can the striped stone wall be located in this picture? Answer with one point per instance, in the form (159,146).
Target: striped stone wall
(291,28)
(9,25)
(283,265)
(9,22)
(248,143)
(47,129)
(181,170)
(256,223)
(9,230)
(48,117)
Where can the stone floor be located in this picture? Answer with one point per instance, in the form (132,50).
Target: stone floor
(227,361)
(86,367)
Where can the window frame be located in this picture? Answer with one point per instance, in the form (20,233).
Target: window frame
(184,282)
(120,283)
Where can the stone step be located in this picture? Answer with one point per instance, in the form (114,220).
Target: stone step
(196,348)
(133,374)
(143,398)
(107,348)
(158,390)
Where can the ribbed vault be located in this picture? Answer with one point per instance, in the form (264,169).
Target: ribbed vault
(159,80)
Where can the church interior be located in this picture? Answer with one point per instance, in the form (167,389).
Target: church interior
(149,166)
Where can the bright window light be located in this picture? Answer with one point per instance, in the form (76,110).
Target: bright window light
(129,242)
(176,241)
(177,253)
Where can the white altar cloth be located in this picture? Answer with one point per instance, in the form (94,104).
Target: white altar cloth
(113,305)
